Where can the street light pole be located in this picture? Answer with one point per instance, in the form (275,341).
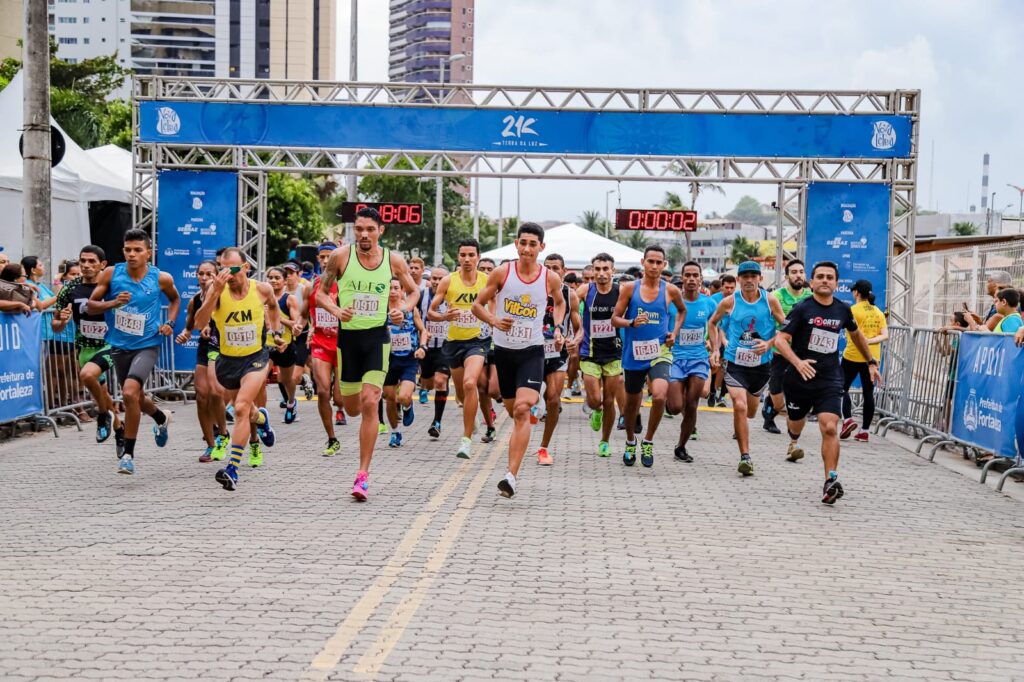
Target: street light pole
(351,182)
(1020,209)
(35,230)
(606,223)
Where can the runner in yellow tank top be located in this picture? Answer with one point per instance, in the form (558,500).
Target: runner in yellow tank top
(245,312)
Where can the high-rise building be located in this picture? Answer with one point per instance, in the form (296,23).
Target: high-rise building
(293,39)
(12,28)
(425,33)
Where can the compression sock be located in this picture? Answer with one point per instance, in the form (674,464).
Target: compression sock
(159,417)
(440,400)
(129,447)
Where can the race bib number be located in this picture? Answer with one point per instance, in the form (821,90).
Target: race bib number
(550,349)
(691,337)
(601,329)
(521,332)
(646,350)
(437,328)
(129,323)
(324,319)
(92,329)
(365,305)
(242,336)
(746,357)
(466,320)
(823,341)
(401,342)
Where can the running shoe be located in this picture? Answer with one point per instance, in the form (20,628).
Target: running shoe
(396,440)
(465,448)
(494,415)
(769,426)
(227,477)
(361,486)
(586,408)
(693,436)
(207,455)
(291,412)
(489,436)
(307,387)
(229,414)
(103,427)
(255,455)
(435,430)
(629,455)
(832,490)
(682,455)
(746,466)
(283,404)
(534,415)
(647,454)
(596,417)
(408,416)
(423,396)
(160,433)
(621,424)
(794,453)
(332,448)
(126,465)
(265,431)
(848,429)
(861,437)
(382,428)
(119,441)
(507,485)
(220,449)
(604,449)
(576,390)
(339,418)
(544,457)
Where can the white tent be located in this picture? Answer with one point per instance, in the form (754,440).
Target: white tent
(77,180)
(577,246)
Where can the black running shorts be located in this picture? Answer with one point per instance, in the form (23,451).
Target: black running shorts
(134,364)
(751,379)
(778,370)
(230,368)
(433,363)
(456,352)
(803,398)
(519,368)
(635,378)
(284,359)
(363,356)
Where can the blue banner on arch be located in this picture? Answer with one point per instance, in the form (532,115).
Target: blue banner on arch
(987,403)
(469,129)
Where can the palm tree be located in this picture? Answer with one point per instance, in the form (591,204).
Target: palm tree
(694,170)
(673,202)
(592,220)
(743,249)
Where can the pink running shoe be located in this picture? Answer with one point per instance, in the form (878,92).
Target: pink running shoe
(361,486)
(861,437)
(849,426)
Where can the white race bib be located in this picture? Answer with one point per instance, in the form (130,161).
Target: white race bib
(550,350)
(365,305)
(601,329)
(466,320)
(401,342)
(746,357)
(823,341)
(691,337)
(522,330)
(242,336)
(646,350)
(324,319)
(129,323)
(91,329)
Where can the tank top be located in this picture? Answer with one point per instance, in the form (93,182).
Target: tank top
(404,337)
(600,339)
(550,352)
(366,292)
(524,303)
(1012,322)
(134,326)
(690,344)
(749,323)
(461,297)
(325,325)
(788,300)
(644,343)
(91,329)
(213,341)
(286,321)
(240,322)
(297,293)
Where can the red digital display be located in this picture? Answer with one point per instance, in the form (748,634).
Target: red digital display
(390,213)
(655,219)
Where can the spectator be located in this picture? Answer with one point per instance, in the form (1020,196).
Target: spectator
(307,271)
(13,300)
(293,248)
(12,272)
(35,275)
(4,259)
(1007,304)
(871,321)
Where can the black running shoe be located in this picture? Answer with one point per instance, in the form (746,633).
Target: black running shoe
(435,430)
(119,441)
(489,436)
(770,427)
(621,425)
(682,455)
(832,491)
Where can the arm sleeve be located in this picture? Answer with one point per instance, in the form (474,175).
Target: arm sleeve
(64,295)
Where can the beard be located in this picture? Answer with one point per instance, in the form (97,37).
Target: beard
(798,286)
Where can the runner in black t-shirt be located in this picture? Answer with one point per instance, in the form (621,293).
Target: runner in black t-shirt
(810,342)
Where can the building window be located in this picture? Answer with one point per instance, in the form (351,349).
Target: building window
(67,20)
(85,41)
(85,20)
(68,41)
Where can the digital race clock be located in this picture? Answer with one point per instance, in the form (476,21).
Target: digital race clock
(655,219)
(390,213)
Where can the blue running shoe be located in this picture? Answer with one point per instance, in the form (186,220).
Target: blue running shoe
(396,440)
(103,427)
(423,396)
(408,416)
(291,411)
(229,414)
(160,434)
(227,477)
(265,431)
(126,465)
(629,456)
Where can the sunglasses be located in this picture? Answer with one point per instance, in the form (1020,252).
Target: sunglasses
(235,269)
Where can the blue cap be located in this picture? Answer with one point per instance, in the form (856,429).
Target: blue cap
(749,266)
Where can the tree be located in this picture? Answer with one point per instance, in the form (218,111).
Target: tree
(748,210)
(673,202)
(965,229)
(676,256)
(293,210)
(743,249)
(593,221)
(634,239)
(694,170)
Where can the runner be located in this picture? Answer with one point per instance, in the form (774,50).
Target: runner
(794,291)
(689,377)
(363,273)
(556,355)
(810,343)
(642,312)
(245,311)
(487,387)
(745,322)
(727,287)
(417,270)
(90,332)
(209,401)
(601,349)
(871,321)
(434,371)
(129,296)
(298,289)
(407,339)
(465,352)
(323,347)
(518,289)
(291,324)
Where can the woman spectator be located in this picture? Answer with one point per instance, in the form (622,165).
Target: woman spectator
(18,299)
(871,321)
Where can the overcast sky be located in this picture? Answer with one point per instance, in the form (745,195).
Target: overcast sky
(965,57)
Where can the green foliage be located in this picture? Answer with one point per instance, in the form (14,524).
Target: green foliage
(593,221)
(634,239)
(293,210)
(117,124)
(743,249)
(965,229)
(81,119)
(748,210)
(676,257)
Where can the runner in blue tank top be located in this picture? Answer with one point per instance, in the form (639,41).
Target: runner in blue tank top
(749,338)
(408,346)
(129,296)
(642,313)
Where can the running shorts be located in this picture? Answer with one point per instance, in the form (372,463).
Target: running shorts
(203,353)
(596,369)
(363,356)
(401,368)
(751,379)
(778,371)
(684,368)
(134,364)
(635,378)
(97,356)
(519,368)
(552,365)
(285,358)
(456,352)
(301,345)
(325,355)
(803,398)
(433,363)
(231,369)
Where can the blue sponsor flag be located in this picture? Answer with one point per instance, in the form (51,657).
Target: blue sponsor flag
(21,392)
(987,410)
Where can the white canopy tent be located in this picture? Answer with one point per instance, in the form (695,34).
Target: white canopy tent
(81,177)
(577,246)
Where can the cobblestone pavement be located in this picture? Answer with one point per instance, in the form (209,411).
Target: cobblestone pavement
(594,571)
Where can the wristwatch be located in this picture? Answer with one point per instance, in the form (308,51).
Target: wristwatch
(874,362)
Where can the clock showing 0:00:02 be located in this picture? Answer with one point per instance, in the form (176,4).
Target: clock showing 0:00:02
(655,219)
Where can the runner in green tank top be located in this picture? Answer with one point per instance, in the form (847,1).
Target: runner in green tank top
(792,292)
(363,273)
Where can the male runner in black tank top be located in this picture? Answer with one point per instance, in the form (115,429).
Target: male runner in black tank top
(601,349)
